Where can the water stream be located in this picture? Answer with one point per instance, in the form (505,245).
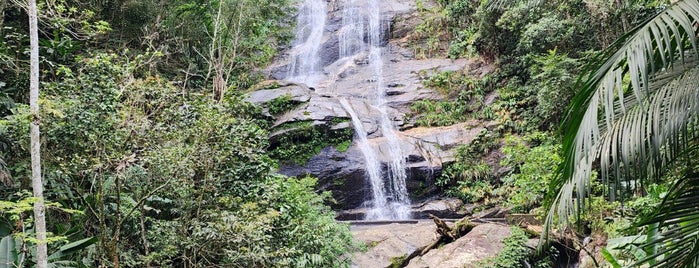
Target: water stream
(305,60)
(360,40)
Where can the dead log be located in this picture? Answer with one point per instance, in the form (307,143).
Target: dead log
(448,234)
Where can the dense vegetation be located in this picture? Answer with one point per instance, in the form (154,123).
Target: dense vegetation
(539,48)
(150,155)
(637,57)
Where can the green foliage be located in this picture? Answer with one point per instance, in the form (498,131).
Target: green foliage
(273,228)
(628,89)
(466,92)
(533,160)
(167,179)
(438,113)
(343,146)
(554,75)
(538,103)
(397,262)
(248,34)
(469,178)
(302,140)
(281,105)
(18,244)
(515,252)
(428,38)
(473,191)
(550,32)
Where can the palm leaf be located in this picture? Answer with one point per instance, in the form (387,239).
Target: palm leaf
(678,244)
(635,99)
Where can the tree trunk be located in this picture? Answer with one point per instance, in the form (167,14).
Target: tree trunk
(2,13)
(39,217)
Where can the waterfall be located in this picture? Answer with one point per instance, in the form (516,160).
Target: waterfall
(397,191)
(305,60)
(360,36)
(373,167)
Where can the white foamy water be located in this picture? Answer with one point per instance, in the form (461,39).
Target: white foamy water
(305,60)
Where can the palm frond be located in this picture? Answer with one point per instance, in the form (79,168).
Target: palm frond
(677,245)
(625,112)
(643,138)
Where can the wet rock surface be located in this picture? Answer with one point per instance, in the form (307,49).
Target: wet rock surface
(340,173)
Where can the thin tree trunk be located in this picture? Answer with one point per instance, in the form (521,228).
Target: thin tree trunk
(39,217)
(2,13)
(625,24)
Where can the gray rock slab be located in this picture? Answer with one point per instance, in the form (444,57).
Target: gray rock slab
(296,92)
(483,242)
(390,241)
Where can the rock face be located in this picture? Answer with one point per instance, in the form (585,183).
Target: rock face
(389,243)
(426,150)
(483,242)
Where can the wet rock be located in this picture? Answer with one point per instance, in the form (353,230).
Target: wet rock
(389,243)
(403,25)
(330,51)
(341,173)
(415,158)
(449,208)
(394,92)
(420,181)
(483,242)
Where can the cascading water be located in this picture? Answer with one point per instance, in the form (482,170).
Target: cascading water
(373,168)
(399,205)
(305,61)
(360,36)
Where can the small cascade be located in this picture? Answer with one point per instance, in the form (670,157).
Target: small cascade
(373,167)
(351,34)
(354,32)
(397,190)
(305,60)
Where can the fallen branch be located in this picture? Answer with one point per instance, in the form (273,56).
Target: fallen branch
(448,234)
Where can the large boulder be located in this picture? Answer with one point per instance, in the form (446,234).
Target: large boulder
(390,244)
(483,242)
(450,208)
(270,90)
